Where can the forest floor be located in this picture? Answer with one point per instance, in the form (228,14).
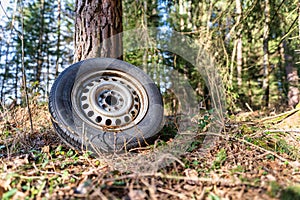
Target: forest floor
(253,158)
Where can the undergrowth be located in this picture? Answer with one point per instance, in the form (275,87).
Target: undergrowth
(244,161)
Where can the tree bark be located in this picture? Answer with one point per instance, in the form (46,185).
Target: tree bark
(145,23)
(266,63)
(95,24)
(239,47)
(40,59)
(291,77)
(58,54)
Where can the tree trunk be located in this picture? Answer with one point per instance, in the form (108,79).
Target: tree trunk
(292,79)
(181,13)
(145,23)
(95,24)
(4,74)
(58,54)
(47,75)
(40,44)
(239,47)
(282,79)
(17,79)
(266,64)
(291,76)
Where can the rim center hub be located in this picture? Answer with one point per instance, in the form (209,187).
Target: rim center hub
(111,100)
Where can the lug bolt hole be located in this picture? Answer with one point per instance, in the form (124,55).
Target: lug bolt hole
(126,118)
(90,113)
(108,122)
(98,119)
(132,113)
(118,122)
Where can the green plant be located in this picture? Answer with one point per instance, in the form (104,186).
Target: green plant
(213,196)
(238,169)
(220,159)
(9,194)
(168,131)
(290,193)
(274,189)
(205,120)
(194,145)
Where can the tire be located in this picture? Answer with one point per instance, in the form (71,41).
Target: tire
(105,105)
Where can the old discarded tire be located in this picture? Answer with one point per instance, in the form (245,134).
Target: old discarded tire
(105,105)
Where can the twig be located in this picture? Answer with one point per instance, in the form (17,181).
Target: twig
(288,113)
(292,164)
(222,181)
(151,188)
(248,106)
(179,195)
(24,78)
(282,130)
(55,173)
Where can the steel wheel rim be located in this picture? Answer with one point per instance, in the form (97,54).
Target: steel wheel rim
(110,100)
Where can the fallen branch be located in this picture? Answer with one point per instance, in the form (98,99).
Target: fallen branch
(282,130)
(215,181)
(294,164)
(280,117)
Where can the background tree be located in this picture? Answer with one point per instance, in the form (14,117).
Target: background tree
(40,39)
(266,63)
(239,47)
(221,26)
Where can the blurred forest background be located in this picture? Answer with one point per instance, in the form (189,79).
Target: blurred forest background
(255,45)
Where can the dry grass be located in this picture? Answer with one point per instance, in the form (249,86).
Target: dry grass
(244,163)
